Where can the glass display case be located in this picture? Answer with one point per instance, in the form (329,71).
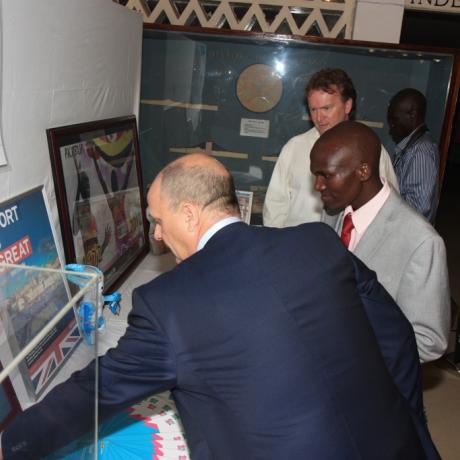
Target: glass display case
(241,96)
(45,335)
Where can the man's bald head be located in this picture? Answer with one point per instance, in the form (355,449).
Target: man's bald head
(414,99)
(199,179)
(406,112)
(354,139)
(187,198)
(345,161)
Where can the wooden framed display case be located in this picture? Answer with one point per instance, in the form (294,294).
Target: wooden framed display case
(240,95)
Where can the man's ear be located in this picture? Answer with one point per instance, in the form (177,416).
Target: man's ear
(364,172)
(413,117)
(348,106)
(191,215)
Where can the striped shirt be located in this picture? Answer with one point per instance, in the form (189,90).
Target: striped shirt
(416,164)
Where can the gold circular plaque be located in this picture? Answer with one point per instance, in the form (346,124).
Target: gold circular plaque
(259,88)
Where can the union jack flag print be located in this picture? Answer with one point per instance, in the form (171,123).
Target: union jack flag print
(54,356)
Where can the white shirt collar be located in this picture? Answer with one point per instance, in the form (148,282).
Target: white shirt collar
(210,232)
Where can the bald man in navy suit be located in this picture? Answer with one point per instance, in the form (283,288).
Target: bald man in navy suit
(260,334)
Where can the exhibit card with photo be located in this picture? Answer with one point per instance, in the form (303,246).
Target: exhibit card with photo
(245,202)
(31,298)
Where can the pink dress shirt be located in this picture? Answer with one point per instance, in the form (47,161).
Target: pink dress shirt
(363,216)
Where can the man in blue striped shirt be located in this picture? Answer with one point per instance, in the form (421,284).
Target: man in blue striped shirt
(416,158)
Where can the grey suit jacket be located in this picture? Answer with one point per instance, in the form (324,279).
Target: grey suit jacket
(409,258)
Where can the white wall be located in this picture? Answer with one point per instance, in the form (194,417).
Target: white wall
(378,20)
(64,62)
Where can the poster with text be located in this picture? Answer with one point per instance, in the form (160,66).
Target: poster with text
(31,298)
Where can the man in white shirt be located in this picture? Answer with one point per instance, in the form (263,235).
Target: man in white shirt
(291,198)
(388,235)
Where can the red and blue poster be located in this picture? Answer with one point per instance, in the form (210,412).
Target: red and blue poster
(31,298)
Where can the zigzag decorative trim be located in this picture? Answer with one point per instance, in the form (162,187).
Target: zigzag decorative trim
(323,18)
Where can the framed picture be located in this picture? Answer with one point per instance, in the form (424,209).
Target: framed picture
(97,177)
(245,202)
(29,299)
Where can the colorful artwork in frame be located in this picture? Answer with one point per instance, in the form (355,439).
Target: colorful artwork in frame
(97,177)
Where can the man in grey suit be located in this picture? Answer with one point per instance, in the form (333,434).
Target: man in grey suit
(404,250)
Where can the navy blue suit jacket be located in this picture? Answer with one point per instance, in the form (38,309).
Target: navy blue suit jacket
(264,342)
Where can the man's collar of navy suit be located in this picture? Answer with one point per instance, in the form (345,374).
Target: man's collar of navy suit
(210,232)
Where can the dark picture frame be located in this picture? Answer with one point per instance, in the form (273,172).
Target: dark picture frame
(9,404)
(99,193)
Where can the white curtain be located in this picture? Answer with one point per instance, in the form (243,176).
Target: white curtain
(2,150)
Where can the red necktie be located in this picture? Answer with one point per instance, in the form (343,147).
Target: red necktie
(347,227)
